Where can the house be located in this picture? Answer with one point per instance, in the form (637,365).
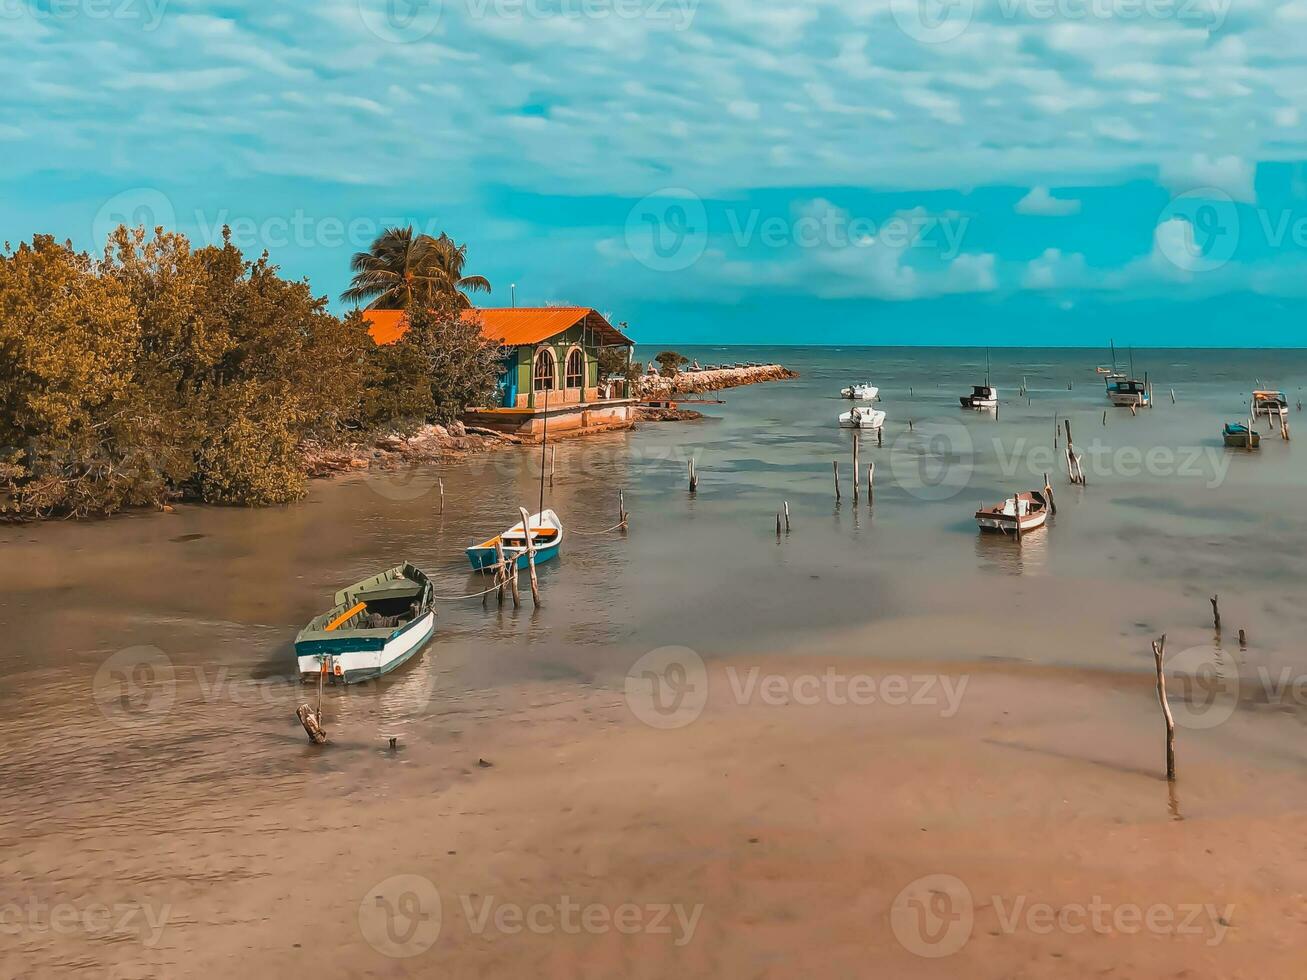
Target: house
(549,366)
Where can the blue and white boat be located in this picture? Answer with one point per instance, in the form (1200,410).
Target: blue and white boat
(546,535)
(375,626)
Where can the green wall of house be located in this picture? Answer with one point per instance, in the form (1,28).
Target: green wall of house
(560,344)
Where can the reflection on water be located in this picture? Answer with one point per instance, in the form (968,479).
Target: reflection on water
(1004,553)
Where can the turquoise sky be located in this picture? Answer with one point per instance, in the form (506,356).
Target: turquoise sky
(902,171)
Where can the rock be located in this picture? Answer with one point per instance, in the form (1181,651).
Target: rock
(363,464)
(457,429)
(482,762)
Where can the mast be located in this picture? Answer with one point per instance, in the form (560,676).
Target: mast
(987,367)
(544,442)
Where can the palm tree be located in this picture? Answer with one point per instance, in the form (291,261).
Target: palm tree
(402,268)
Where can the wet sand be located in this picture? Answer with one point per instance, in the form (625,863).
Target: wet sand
(792,827)
(162,803)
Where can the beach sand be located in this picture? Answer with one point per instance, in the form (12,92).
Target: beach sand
(792,828)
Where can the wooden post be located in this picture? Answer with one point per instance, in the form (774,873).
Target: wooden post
(1016,512)
(1104,417)
(787,517)
(836,465)
(1172,396)
(1048,489)
(1216,614)
(311,724)
(512,584)
(871,475)
(880,436)
(442,495)
(857,475)
(1248,436)
(531,557)
(553,458)
(1243,640)
(1159,652)
(621,508)
(502,572)
(694,477)
(778,525)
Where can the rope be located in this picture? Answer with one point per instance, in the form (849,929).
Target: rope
(476,595)
(606,530)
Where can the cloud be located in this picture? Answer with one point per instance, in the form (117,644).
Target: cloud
(1040,201)
(1231,174)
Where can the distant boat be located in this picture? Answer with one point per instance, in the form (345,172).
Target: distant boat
(861,392)
(1240,435)
(374,627)
(546,535)
(1268,401)
(1123,391)
(862,418)
(1028,509)
(982,396)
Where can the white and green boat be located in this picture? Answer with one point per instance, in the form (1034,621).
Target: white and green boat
(375,626)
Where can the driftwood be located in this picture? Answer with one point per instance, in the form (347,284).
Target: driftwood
(1216,613)
(312,724)
(1159,653)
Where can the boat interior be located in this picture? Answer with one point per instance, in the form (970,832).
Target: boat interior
(516,539)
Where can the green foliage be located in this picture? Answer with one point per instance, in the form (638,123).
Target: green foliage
(403,268)
(161,372)
(670,363)
(615,362)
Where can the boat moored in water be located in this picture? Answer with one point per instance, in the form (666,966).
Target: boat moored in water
(982,396)
(1268,401)
(375,626)
(1241,435)
(860,392)
(1021,512)
(546,536)
(1123,391)
(862,418)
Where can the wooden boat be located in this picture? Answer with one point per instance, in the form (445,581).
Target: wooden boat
(375,626)
(982,396)
(861,392)
(546,534)
(1241,435)
(1029,509)
(862,418)
(1268,401)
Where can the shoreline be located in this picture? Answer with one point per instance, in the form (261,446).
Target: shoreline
(434,443)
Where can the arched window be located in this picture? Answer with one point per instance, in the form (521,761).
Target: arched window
(575,368)
(545,370)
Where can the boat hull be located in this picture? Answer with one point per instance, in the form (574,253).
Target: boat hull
(482,558)
(1243,440)
(351,660)
(1123,399)
(969,402)
(1007,525)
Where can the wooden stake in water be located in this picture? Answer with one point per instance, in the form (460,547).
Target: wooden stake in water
(1216,614)
(553,459)
(501,571)
(442,495)
(1048,491)
(694,477)
(1159,652)
(531,556)
(857,476)
(621,508)
(871,475)
(787,517)
(778,525)
(835,464)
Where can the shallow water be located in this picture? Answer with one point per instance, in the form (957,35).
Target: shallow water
(1169,516)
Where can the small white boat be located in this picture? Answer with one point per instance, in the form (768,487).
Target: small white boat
(982,396)
(546,535)
(1027,511)
(860,392)
(862,418)
(1123,391)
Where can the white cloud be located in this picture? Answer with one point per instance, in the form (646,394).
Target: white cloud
(1231,174)
(1040,201)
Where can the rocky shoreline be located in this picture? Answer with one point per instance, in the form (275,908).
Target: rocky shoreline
(697,382)
(431,443)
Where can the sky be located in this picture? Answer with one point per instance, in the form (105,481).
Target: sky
(978,172)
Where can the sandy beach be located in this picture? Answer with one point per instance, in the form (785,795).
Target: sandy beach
(943,820)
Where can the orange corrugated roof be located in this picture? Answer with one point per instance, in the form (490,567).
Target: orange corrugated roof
(510,327)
